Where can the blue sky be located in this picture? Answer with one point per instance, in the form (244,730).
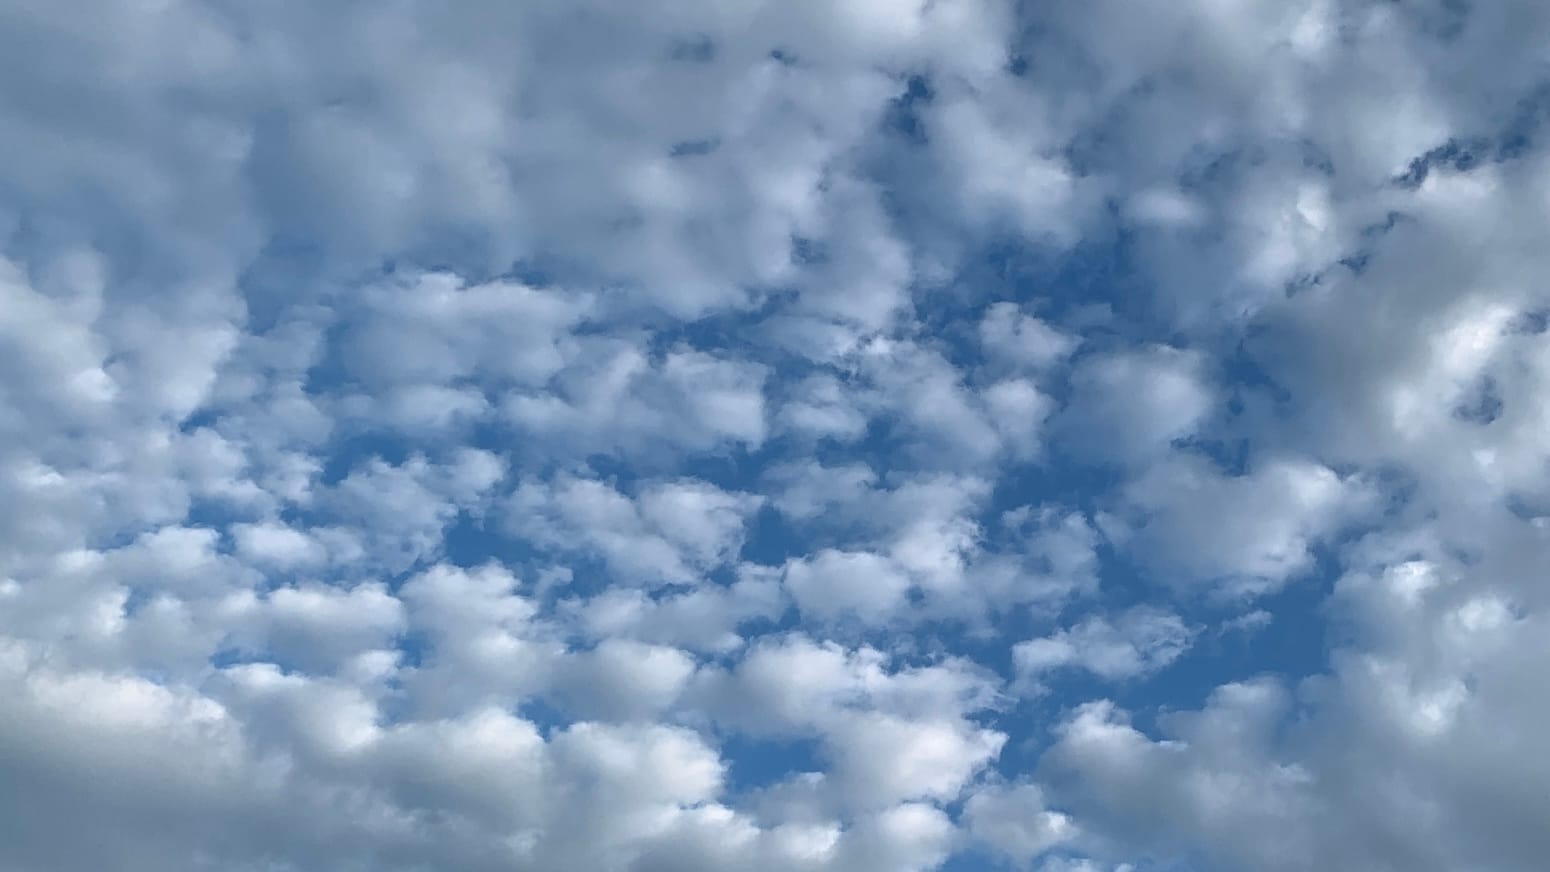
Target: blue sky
(878,436)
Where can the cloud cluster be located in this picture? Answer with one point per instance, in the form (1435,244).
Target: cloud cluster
(874,436)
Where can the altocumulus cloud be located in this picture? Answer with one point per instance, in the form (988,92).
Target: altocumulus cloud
(857,435)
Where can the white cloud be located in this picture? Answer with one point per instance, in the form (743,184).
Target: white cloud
(1015,821)
(624,680)
(618,398)
(822,407)
(600,436)
(1137,642)
(703,619)
(398,513)
(1128,406)
(671,532)
(483,640)
(805,491)
(1213,775)
(279,545)
(1015,338)
(866,716)
(951,424)
(1239,535)
(924,759)
(435,329)
(857,584)
(1004,162)
(319,629)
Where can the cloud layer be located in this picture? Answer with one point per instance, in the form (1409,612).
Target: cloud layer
(870,436)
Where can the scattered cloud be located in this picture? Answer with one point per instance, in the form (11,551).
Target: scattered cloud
(778,436)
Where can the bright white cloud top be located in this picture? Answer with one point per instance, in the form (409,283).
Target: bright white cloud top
(846,436)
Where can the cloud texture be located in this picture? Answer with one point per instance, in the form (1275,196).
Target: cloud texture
(869,436)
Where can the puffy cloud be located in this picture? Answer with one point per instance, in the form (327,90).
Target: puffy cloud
(1129,406)
(925,759)
(834,584)
(1014,820)
(624,680)
(1003,161)
(320,629)
(706,618)
(435,329)
(1239,535)
(1138,642)
(865,716)
(929,557)
(700,436)
(481,639)
(1217,771)
(823,407)
(947,422)
(671,532)
(397,514)
(618,398)
(806,491)
(1415,719)
(278,545)
(1016,339)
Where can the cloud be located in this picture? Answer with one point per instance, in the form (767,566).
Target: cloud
(1138,642)
(702,619)
(834,584)
(399,512)
(1016,339)
(1015,821)
(617,398)
(625,680)
(773,436)
(1129,406)
(859,710)
(1241,535)
(671,532)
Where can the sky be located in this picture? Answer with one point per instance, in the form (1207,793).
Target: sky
(801,436)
